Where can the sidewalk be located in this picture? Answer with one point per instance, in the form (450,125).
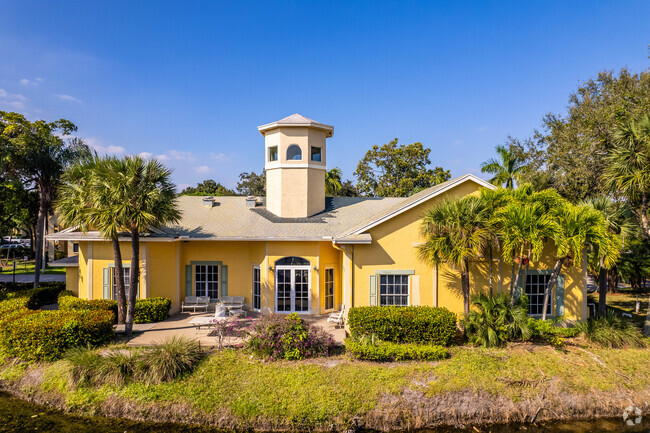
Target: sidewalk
(29,278)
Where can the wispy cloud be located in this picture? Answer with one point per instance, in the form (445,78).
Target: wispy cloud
(203,169)
(64,97)
(100,148)
(177,155)
(27,82)
(220,157)
(145,155)
(14,101)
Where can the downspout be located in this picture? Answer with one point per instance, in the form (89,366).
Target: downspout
(346,249)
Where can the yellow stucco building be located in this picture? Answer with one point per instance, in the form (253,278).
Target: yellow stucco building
(296,250)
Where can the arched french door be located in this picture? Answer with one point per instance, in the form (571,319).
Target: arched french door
(292,285)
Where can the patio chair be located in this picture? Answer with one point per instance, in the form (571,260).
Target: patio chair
(337,317)
(194,302)
(219,315)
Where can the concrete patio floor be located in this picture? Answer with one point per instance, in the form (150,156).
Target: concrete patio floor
(179,325)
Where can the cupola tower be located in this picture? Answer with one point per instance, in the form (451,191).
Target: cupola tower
(295,166)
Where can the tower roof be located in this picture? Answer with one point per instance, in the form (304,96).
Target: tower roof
(296,120)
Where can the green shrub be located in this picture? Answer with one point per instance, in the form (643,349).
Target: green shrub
(146,310)
(495,321)
(550,332)
(71,303)
(383,351)
(170,359)
(44,295)
(46,335)
(611,331)
(8,287)
(275,336)
(163,362)
(67,293)
(151,310)
(419,325)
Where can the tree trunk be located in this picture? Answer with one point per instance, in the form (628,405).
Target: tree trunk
(612,279)
(135,276)
(646,326)
(38,238)
(464,283)
(644,215)
(523,281)
(119,282)
(551,283)
(491,269)
(513,288)
(602,290)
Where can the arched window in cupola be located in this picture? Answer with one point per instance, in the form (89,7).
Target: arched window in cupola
(294,153)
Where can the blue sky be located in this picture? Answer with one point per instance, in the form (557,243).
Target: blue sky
(189,82)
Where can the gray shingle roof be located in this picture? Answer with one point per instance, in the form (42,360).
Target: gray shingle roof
(230,219)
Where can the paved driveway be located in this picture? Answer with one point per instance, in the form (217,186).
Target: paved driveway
(29,278)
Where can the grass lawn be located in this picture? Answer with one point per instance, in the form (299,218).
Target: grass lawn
(332,391)
(625,301)
(28,268)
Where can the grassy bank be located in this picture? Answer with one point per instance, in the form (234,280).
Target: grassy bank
(28,268)
(229,389)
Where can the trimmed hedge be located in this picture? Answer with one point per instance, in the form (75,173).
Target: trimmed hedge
(419,325)
(47,335)
(384,351)
(151,310)
(9,289)
(146,310)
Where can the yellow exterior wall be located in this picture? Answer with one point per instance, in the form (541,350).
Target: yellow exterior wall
(72,280)
(394,248)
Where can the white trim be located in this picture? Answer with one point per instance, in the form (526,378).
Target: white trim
(293,287)
(453,183)
(275,165)
(89,283)
(258,268)
(327,268)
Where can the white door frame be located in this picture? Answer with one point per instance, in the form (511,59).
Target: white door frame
(292,268)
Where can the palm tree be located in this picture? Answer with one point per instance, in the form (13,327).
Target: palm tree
(578,227)
(628,169)
(333,181)
(85,200)
(493,199)
(522,229)
(39,157)
(145,199)
(455,233)
(618,219)
(505,169)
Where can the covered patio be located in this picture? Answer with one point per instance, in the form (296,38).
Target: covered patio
(179,325)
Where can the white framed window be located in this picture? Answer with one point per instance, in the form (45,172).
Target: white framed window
(206,281)
(535,287)
(257,288)
(294,153)
(316,154)
(127,282)
(273,153)
(393,290)
(329,288)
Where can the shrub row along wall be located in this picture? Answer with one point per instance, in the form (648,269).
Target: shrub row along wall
(45,294)
(419,325)
(46,335)
(385,351)
(146,310)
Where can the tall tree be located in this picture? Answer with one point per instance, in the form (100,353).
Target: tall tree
(523,226)
(207,187)
(252,184)
(39,157)
(455,233)
(146,198)
(505,169)
(86,200)
(628,171)
(348,190)
(333,181)
(578,227)
(394,170)
(569,152)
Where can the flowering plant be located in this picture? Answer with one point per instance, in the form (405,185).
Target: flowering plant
(276,336)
